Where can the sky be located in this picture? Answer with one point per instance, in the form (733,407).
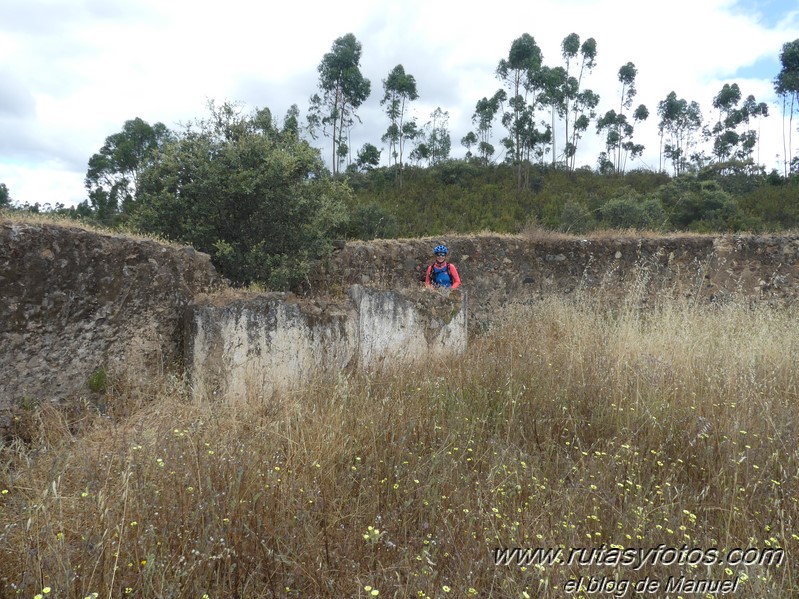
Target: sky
(73,71)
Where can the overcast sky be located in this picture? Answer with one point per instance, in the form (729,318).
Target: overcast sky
(73,71)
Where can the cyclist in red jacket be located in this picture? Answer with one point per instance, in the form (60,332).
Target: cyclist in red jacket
(442,273)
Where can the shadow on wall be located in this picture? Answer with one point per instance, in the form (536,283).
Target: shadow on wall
(247,348)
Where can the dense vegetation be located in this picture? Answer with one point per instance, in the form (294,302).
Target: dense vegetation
(253,196)
(570,425)
(258,197)
(463,197)
(259,201)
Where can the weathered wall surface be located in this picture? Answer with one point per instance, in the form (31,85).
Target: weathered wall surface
(74,301)
(407,325)
(247,346)
(497,270)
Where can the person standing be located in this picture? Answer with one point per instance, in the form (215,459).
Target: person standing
(442,273)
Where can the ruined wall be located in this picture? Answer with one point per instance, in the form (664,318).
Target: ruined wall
(408,324)
(497,270)
(245,346)
(74,301)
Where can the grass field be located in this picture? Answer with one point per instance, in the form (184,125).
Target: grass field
(650,437)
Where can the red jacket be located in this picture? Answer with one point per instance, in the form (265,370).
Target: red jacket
(453,273)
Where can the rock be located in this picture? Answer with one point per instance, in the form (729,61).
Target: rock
(68,307)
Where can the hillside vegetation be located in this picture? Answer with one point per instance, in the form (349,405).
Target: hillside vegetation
(464,197)
(571,425)
(258,198)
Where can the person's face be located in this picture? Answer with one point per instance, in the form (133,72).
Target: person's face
(440,257)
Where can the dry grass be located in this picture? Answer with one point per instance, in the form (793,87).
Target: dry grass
(615,234)
(49,218)
(534,231)
(569,426)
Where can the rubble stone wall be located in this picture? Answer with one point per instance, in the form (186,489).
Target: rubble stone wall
(75,302)
(500,269)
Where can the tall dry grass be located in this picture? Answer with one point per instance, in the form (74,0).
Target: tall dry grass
(51,218)
(569,425)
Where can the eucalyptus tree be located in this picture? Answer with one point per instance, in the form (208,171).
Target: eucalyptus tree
(421,152)
(584,110)
(434,143)
(728,142)
(368,157)
(629,147)
(467,141)
(557,86)
(616,126)
(627,75)
(113,174)
(516,73)
(344,89)
(485,112)
(787,87)
(438,138)
(569,48)
(580,103)
(723,133)
(291,122)
(679,126)
(612,125)
(411,130)
(753,109)
(399,91)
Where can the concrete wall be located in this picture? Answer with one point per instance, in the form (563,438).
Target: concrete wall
(247,346)
(409,325)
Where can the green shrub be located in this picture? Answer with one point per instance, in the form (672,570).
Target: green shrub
(371,221)
(98,381)
(701,206)
(630,213)
(575,218)
(247,193)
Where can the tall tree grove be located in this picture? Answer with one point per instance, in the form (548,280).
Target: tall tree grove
(344,89)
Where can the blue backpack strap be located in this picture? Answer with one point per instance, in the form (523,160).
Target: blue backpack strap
(435,273)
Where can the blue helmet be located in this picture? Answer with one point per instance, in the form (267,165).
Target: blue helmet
(440,249)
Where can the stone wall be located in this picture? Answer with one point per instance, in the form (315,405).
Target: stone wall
(497,270)
(245,346)
(74,302)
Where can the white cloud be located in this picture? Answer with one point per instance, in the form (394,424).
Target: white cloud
(47,182)
(75,71)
